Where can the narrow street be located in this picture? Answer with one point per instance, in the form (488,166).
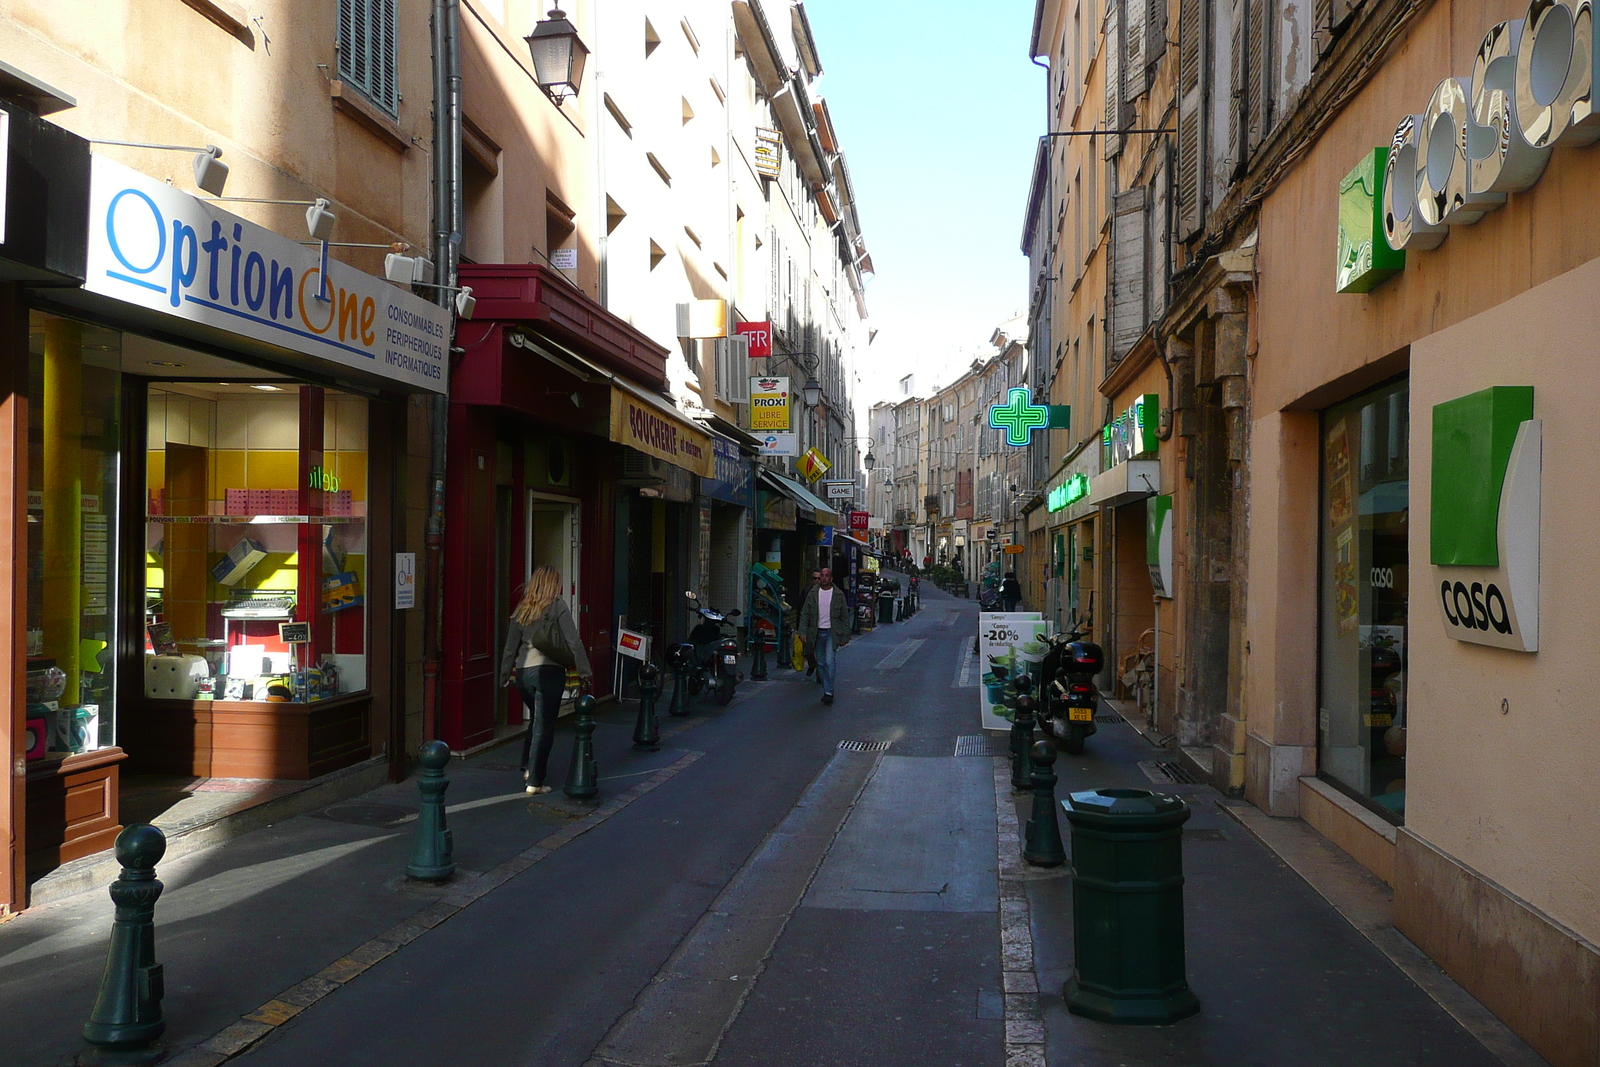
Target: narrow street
(782,884)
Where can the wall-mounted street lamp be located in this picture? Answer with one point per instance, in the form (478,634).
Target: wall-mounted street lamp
(558,55)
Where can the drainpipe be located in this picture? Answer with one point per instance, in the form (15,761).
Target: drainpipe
(446,248)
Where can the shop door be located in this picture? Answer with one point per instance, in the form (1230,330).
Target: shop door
(553,541)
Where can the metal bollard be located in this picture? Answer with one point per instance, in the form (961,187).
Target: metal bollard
(647,731)
(583,776)
(433,849)
(1042,844)
(758,655)
(126,1019)
(680,693)
(1021,742)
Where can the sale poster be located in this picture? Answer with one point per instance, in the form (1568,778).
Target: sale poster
(1013,641)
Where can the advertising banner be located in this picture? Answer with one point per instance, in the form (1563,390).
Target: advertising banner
(734,482)
(780,444)
(1015,640)
(166,251)
(813,465)
(641,425)
(769,404)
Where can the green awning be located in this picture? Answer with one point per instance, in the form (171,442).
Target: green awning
(821,513)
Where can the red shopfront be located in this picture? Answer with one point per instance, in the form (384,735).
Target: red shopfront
(554,408)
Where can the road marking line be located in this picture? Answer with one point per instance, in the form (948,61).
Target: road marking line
(1024,1026)
(897,659)
(237,1037)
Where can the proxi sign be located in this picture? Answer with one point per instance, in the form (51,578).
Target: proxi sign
(1532,89)
(162,249)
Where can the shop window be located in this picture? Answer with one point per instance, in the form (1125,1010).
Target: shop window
(1364,586)
(74,434)
(255,541)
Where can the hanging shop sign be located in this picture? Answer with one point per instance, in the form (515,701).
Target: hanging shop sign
(1158,544)
(839,490)
(641,425)
(1132,434)
(734,479)
(822,536)
(859,521)
(1019,416)
(1478,139)
(1484,517)
(769,404)
(161,249)
(813,465)
(1365,258)
(758,335)
(768,153)
(780,444)
(1068,492)
(633,644)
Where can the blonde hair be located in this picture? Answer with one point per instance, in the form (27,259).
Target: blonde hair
(543,587)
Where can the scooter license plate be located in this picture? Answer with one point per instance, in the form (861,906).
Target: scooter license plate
(1080,715)
(730,659)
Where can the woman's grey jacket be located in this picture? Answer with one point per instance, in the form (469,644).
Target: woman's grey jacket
(519,650)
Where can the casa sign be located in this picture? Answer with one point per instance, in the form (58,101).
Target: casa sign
(1484,522)
(1532,90)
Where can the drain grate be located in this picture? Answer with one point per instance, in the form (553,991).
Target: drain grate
(863,746)
(982,745)
(1108,718)
(367,814)
(1165,771)
(1203,833)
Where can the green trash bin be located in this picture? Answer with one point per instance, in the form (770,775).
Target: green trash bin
(1127,907)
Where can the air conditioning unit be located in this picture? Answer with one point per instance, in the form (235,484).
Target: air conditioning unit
(640,470)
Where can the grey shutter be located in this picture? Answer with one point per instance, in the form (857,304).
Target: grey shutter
(1155,35)
(1158,242)
(1128,309)
(1113,79)
(1236,87)
(1133,68)
(1191,184)
(1258,32)
(1322,27)
(367,49)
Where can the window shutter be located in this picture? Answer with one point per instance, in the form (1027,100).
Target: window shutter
(1322,27)
(1191,185)
(1128,308)
(1157,240)
(1236,87)
(1259,90)
(738,369)
(1113,79)
(1133,68)
(367,49)
(1155,35)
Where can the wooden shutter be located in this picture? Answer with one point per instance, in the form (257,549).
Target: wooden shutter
(1128,308)
(1133,61)
(367,50)
(1191,183)
(1158,232)
(1155,35)
(1258,114)
(1237,86)
(1113,80)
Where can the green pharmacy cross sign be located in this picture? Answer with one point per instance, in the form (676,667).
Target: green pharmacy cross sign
(1020,416)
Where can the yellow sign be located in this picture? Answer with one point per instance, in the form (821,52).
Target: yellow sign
(653,431)
(813,465)
(1012,550)
(769,403)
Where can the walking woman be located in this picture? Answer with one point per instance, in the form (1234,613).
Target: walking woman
(541,643)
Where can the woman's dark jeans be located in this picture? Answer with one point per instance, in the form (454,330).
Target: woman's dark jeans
(541,688)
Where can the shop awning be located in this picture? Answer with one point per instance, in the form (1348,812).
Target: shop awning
(822,514)
(639,418)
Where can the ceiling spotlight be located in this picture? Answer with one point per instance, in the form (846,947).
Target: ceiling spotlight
(210,173)
(267,388)
(408,270)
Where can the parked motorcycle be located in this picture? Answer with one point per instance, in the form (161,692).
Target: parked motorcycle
(1068,685)
(710,658)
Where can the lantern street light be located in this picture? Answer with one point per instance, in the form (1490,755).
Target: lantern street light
(558,55)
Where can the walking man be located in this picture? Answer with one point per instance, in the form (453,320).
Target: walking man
(1011,591)
(825,627)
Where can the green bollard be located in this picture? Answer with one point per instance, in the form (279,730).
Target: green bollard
(758,656)
(647,731)
(432,852)
(680,694)
(126,1019)
(583,777)
(1042,845)
(1021,742)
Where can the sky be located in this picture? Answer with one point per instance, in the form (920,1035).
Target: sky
(940,159)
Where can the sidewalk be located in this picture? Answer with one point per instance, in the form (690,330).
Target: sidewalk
(1283,976)
(302,901)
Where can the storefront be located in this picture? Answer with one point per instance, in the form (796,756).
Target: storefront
(811,544)
(211,510)
(727,501)
(562,453)
(1066,517)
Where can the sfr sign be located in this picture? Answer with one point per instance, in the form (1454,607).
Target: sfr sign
(759,334)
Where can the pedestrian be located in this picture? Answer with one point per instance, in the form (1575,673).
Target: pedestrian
(825,625)
(1011,591)
(541,643)
(811,659)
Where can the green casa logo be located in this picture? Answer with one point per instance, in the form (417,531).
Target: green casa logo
(1484,524)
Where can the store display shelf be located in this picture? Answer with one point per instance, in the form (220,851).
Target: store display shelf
(251,520)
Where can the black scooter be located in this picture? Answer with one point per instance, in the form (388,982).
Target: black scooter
(1070,701)
(710,658)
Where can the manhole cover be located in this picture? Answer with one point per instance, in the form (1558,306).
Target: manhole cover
(366,814)
(863,746)
(1164,771)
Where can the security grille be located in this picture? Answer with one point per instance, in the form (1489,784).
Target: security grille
(367,48)
(863,746)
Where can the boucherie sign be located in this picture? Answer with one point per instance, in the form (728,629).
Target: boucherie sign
(1532,90)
